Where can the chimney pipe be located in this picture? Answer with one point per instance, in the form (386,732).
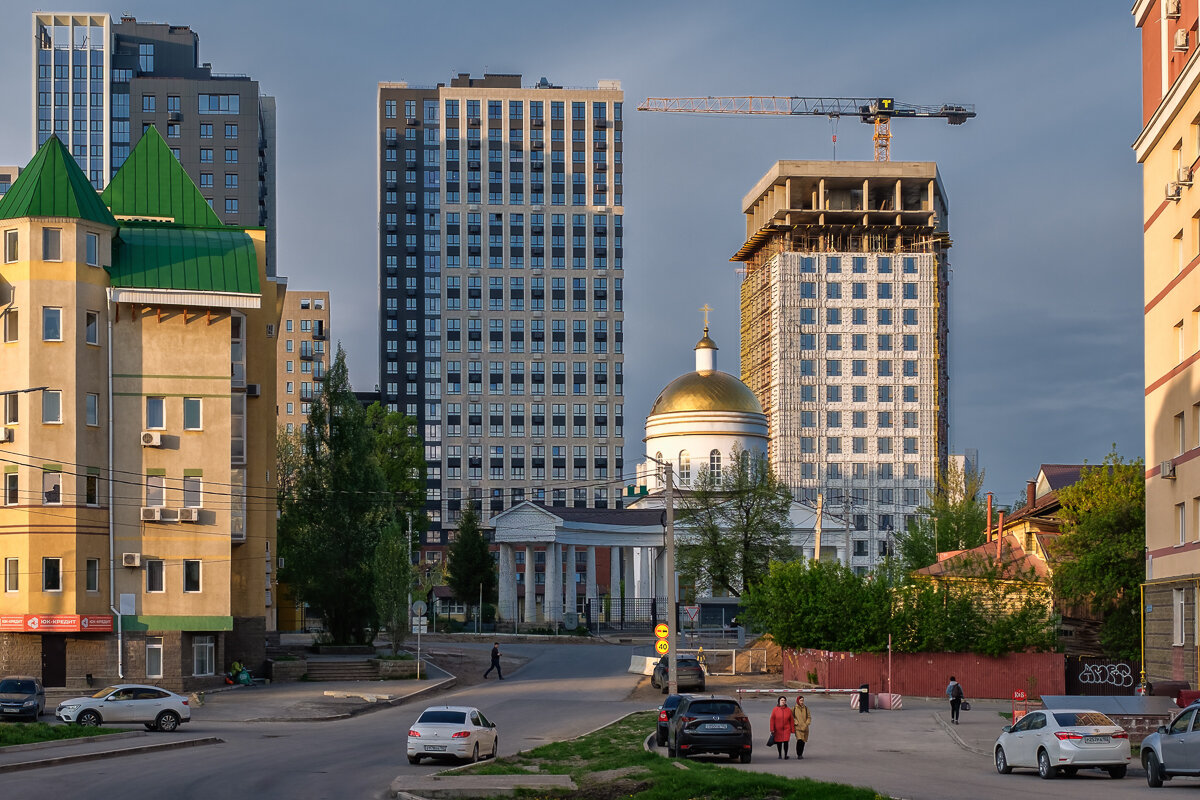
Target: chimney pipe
(1000,538)
(989,516)
(1030,493)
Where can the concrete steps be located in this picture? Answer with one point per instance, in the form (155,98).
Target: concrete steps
(342,670)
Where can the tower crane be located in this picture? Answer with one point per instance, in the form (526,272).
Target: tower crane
(878,111)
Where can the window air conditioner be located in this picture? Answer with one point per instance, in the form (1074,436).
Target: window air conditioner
(151,514)
(1181,40)
(1173,9)
(1185,176)
(270,330)
(6,434)
(1167,469)
(151,439)
(1174,191)
(253,389)
(131,559)
(189,514)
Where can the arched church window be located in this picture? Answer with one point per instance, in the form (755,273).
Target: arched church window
(685,468)
(714,464)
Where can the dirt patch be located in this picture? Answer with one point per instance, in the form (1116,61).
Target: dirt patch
(611,791)
(617,774)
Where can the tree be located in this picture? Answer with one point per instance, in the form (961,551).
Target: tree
(332,519)
(471,566)
(734,524)
(1101,550)
(401,454)
(952,518)
(393,573)
(289,457)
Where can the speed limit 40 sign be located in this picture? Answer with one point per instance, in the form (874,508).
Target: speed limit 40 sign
(662,646)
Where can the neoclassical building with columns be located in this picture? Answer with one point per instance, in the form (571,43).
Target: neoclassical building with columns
(695,423)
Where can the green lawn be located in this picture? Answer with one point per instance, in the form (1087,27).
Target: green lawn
(30,732)
(611,763)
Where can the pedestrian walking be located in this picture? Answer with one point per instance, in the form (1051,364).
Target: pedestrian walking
(495,662)
(782,726)
(864,699)
(954,691)
(801,720)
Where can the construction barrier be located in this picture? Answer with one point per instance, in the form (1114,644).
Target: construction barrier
(883,700)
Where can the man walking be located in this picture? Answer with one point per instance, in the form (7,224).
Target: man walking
(954,691)
(495,662)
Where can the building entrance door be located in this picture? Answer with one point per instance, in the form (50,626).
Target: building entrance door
(54,660)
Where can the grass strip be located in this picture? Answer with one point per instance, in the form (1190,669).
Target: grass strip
(611,763)
(30,732)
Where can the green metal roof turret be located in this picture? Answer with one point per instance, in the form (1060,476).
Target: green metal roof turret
(152,184)
(53,185)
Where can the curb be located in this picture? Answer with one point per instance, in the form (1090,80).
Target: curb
(104,754)
(109,737)
(357,711)
(958,740)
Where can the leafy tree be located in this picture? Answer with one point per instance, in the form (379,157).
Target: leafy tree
(1100,553)
(289,457)
(952,518)
(734,525)
(332,519)
(401,455)
(393,573)
(471,565)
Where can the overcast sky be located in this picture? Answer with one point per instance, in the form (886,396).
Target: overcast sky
(1044,190)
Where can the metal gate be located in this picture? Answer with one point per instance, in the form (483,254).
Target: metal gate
(622,613)
(1087,675)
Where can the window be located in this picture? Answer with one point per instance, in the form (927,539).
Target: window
(12,414)
(156,491)
(11,250)
(91,249)
(231,155)
(51,324)
(156,413)
(685,468)
(154,577)
(231,205)
(92,575)
(12,489)
(91,327)
(146,64)
(191,414)
(714,464)
(91,490)
(231,130)
(11,320)
(219,103)
(206,156)
(52,407)
(92,409)
(191,575)
(231,180)
(12,575)
(204,655)
(148,104)
(1178,616)
(154,654)
(51,574)
(1181,522)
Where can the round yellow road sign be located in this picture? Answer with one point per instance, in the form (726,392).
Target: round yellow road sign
(662,646)
(661,630)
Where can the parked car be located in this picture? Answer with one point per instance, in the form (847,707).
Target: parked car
(665,713)
(459,732)
(1171,750)
(1063,740)
(689,674)
(21,697)
(712,724)
(156,708)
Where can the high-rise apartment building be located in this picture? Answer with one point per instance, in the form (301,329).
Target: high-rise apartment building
(304,355)
(99,85)
(844,338)
(1169,152)
(7,176)
(500,285)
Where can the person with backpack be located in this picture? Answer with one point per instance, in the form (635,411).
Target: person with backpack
(954,691)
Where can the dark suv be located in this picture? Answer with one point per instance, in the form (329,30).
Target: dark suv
(665,713)
(688,672)
(712,724)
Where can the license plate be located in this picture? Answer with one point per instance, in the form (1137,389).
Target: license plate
(1095,740)
(435,748)
(714,726)
(11,710)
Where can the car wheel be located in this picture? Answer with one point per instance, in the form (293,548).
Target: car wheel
(1154,776)
(1046,770)
(150,726)
(414,759)
(475,753)
(745,756)
(1002,765)
(1117,772)
(88,719)
(666,686)
(495,747)
(167,721)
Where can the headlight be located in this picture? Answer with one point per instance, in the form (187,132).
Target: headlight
(30,703)
(68,707)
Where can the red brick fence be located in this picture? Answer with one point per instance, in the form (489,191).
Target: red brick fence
(926,674)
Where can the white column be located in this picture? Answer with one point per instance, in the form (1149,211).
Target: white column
(589,590)
(644,582)
(660,573)
(569,593)
(552,606)
(614,583)
(507,584)
(530,586)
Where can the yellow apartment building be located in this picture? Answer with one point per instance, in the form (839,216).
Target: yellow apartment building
(304,355)
(138,525)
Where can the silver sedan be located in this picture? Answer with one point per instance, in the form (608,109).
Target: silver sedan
(459,732)
(1063,740)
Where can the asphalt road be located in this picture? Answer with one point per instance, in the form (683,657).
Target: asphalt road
(561,691)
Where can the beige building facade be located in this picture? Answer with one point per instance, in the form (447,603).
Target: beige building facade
(138,524)
(304,355)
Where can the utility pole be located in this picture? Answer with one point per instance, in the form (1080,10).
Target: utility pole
(673,618)
(408,550)
(820,513)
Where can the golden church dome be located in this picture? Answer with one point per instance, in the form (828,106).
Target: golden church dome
(707,390)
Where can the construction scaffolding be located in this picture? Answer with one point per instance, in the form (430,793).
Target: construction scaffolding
(844,339)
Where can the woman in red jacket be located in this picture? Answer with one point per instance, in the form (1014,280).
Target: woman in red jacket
(782,726)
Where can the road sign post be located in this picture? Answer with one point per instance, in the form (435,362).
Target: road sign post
(418,609)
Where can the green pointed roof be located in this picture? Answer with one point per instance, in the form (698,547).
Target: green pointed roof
(53,185)
(152,183)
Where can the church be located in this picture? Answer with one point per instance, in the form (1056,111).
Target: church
(696,423)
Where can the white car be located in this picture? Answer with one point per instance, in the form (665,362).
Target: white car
(157,709)
(459,732)
(1063,740)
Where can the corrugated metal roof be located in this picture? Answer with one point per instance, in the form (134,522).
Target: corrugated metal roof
(205,260)
(53,185)
(153,184)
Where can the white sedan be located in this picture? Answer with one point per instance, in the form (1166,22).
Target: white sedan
(155,708)
(1063,740)
(459,732)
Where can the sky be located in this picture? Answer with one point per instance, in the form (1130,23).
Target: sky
(1045,353)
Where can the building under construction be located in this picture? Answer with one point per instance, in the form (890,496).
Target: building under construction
(844,338)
